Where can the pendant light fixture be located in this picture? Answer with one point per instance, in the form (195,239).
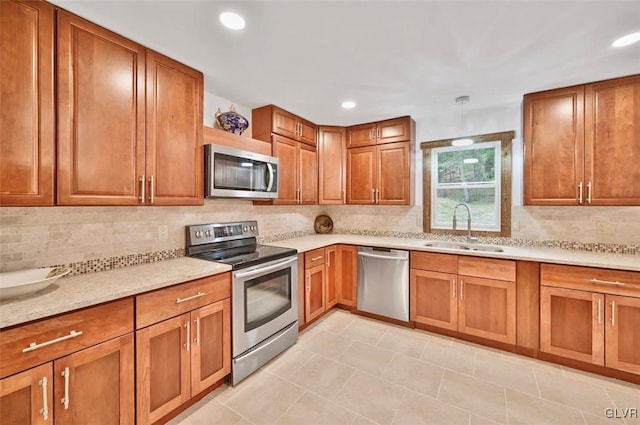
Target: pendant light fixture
(462,142)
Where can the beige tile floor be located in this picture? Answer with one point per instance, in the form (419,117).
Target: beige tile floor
(350,370)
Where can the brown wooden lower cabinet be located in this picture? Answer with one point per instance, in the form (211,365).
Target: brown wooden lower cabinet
(179,357)
(471,303)
(592,327)
(27,397)
(347,271)
(315,301)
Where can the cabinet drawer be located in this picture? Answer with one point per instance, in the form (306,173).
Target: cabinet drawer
(52,338)
(314,258)
(445,263)
(606,281)
(488,268)
(162,304)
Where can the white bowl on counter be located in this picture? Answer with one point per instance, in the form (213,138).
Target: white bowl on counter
(27,282)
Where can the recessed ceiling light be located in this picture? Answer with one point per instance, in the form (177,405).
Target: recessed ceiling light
(232,20)
(348,104)
(627,39)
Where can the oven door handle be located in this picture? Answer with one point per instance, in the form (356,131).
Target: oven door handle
(270,184)
(263,270)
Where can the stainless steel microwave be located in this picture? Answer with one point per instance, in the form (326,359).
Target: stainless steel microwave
(234,173)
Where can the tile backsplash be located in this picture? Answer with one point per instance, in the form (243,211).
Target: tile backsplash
(96,238)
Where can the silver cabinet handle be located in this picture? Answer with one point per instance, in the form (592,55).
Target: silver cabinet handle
(589,193)
(378,133)
(377,196)
(613,313)
(308,282)
(300,195)
(461,289)
(580,187)
(34,346)
(453,287)
(382,257)
(152,189)
(187,343)
(373,196)
(197,339)
(143,192)
(45,402)
(371,134)
(192,297)
(607,282)
(328,260)
(599,311)
(65,399)
(319,257)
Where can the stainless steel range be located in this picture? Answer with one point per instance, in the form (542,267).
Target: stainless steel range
(264,290)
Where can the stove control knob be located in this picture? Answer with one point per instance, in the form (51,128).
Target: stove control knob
(253,228)
(207,233)
(245,228)
(198,233)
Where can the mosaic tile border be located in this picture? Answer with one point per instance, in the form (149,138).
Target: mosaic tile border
(110,263)
(121,261)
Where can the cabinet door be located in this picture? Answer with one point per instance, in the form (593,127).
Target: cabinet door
(487,308)
(623,333)
(315,300)
(308,133)
(554,147)
(331,165)
(433,298)
(174,160)
(286,151)
(612,141)
(26,109)
(572,324)
(394,175)
(211,345)
(27,398)
(395,130)
(308,168)
(284,123)
(101,108)
(331,254)
(162,368)
(361,175)
(96,383)
(348,275)
(361,135)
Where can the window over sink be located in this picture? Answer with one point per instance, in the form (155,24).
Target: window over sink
(478,175)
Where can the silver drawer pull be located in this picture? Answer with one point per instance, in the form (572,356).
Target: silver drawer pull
(34,346)
(316,258)
(607,282)
(193,297)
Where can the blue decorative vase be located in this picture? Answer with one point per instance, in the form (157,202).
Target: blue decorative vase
(231,121)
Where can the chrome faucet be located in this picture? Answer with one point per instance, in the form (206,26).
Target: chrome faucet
(455,222)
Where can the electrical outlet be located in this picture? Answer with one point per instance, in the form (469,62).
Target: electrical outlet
(163,232)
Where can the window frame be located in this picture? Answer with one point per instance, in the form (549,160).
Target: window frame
(505,138)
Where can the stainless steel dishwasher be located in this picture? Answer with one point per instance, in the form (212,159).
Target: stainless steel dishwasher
(383,282)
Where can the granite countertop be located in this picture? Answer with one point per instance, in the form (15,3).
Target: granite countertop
(543,255)
(72,293)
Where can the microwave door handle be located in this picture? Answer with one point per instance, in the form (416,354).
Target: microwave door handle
(270,170)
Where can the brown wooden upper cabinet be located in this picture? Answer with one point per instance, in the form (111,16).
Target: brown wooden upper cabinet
(271,119)
(376,133)
(331,165)
(381,175)
(582,144)
(297,171)
(27,114)
(116,147)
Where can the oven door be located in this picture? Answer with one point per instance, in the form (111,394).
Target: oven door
(265,300)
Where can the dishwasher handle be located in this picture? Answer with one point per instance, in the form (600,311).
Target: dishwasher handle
(383,257)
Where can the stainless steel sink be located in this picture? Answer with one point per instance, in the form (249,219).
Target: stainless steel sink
(464,247)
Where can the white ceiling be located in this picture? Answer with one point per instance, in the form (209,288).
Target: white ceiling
(392,57)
